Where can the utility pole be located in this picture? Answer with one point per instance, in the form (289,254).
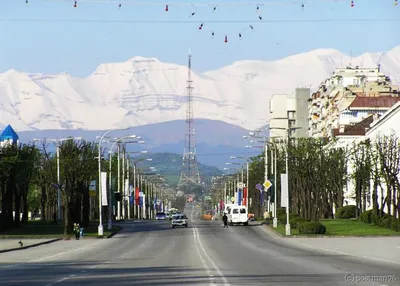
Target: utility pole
(119,181)
(123,183)
(247,185)
(128,190)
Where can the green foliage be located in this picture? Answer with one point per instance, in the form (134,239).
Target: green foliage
(179,203)
(346,212)
(366,216)
(312,228)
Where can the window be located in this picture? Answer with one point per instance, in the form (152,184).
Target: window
(235,211)
(243,211)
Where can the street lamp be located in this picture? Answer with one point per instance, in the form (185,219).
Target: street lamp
(110,177)
(57,141)
(100,230)
(288,129)
(247,177)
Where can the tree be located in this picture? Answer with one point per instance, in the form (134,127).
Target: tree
(389,154)
(362,168)
(78,169)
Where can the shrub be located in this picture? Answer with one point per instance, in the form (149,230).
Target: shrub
(395,224)
(385,223)
(366,217)
(297,221)
(312,228)
(346,212)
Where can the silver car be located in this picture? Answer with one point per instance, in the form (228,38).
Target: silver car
(161,216)
(179,220)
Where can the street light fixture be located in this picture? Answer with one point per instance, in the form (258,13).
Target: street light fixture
(247,177)
(287,228)
(110,176)
(100,230)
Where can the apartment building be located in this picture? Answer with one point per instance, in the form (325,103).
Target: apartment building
(289,113)
(347,98)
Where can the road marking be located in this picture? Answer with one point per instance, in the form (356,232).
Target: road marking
(197,239)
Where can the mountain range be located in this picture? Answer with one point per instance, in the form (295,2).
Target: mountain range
(143,91)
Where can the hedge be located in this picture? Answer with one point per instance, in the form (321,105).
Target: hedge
(346,212)
(296,222)
(312,228)
(384,221)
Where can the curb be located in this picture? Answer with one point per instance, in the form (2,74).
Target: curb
(30,246)
(271,231)
(277,234)
(115,232)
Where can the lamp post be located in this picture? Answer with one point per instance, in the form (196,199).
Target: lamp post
(137,178)
(255,134)
(57,143)
(247,178)
(288,129)
(110,177)
(100,230)
(275,220)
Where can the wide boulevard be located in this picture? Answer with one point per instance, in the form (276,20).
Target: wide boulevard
(153,253)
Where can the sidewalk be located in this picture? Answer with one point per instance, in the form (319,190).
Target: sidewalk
(382,249)
(7,245)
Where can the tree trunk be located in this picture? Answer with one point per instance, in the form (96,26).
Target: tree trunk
(67,229)
(86,207)
(25,208)
(43,203)
(17,208)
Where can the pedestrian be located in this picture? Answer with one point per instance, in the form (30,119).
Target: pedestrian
(225,220)
(266,217)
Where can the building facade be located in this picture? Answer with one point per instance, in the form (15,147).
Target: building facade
(348,97)
(288,113)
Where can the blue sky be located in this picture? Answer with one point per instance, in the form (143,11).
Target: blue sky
(89,35)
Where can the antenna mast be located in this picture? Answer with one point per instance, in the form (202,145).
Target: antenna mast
(190,171)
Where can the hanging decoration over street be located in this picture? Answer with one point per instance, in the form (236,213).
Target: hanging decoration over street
(241,34)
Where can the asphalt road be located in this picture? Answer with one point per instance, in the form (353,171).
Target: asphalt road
(152,253)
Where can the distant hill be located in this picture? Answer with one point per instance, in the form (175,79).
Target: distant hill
(216,140)
(170,165)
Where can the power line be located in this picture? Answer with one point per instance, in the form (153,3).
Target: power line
(31,20)
(211,4)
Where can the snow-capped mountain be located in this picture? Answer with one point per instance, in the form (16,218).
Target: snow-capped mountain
(141,91)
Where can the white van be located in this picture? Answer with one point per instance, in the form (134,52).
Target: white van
(238,215)
(228,207)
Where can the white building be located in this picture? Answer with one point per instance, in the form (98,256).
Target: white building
(387,124)
(289,111)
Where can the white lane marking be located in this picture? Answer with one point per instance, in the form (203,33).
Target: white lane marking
(51,256)
(200,244)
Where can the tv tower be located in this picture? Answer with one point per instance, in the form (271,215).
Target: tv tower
(190,171)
